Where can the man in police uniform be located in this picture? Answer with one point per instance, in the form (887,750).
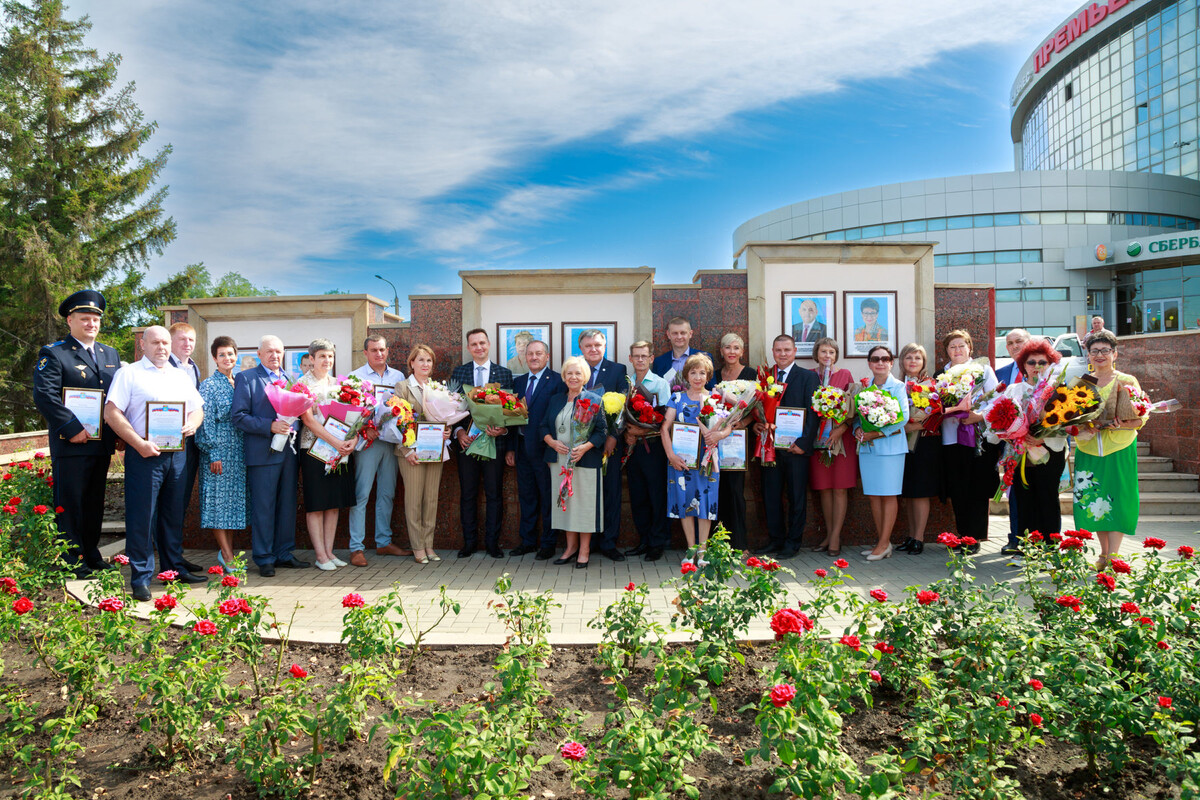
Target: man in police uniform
(79,464)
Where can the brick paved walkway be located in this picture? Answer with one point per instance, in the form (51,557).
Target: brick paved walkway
(583,592)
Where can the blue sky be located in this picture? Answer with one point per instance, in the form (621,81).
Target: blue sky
(318,143)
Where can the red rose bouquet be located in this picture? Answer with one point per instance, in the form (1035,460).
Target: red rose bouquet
(769,394)
(583,421)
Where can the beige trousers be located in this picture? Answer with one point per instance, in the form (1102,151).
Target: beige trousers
(421,483)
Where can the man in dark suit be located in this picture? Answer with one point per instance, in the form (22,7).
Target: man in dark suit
(787,481)
(271,474)
(527,451)
(79,459)
(479,371)
(809,329)
(607,376)
(668,365)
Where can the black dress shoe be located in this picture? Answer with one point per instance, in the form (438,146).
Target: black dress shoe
(82,573)
(141,593)
(916,548)
(292,563)
(523,550)
(972,549)
(654,555)
(187,577)
(190,567)
(466,552)
(903,548)
(100,566)
(566,559)
(495,552)
(613,554)
(640,550)
(267,570)
(581,564)
(543,555)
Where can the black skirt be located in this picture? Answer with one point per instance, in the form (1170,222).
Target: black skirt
(923,468)
(323,492)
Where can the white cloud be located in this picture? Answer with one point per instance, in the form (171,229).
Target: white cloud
(298,127)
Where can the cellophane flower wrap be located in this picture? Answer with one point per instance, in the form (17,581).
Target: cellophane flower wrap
(642,419)
(876,408)
(832,407)
(713,414)
(965,382)
(730,402)
(769,394)
(583,422)
(439,404)
(1007,420)
(355,406)
(399,421)
(290,400)
(613,404)
(500,408)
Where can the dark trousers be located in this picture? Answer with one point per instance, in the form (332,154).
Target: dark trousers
(1037,503)
(533,493)
(611,487)
(731,506)
(191,465)
(473,472)
(971,482)
(153,513)
(646,471)
(786,482)
(79,486)
(273,490)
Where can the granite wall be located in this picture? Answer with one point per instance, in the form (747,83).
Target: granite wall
(1163,365)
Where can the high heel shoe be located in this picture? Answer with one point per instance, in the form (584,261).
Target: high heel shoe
(421,559)
(834,553)
(916,548)
(221,560)
(885,554)
(821,548)
(432,555)
(582,564)
(567,559)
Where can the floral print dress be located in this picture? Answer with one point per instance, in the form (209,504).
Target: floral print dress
(690,493)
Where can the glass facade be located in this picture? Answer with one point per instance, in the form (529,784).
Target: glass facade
(1129,101)
(1161,222)
(1158,300)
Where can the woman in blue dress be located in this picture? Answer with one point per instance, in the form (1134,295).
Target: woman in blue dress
(690,493)
(881,455)
(223,482)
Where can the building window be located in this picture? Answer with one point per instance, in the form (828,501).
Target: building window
(1069,91)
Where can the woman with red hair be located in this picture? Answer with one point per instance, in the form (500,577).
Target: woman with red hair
(1035,486)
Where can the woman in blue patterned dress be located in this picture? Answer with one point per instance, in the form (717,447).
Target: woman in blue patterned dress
(690,493)
(223,482)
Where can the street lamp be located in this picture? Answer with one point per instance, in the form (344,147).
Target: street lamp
(395,294)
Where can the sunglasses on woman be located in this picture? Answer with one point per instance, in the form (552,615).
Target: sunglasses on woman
(880,359)
(1037,363)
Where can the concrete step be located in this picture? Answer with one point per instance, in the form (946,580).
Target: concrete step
(1143,448)
(1154,464)
(114,527)
(1158,504)
(1160,482)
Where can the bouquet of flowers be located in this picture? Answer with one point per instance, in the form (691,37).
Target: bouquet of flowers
(439,404)
(962,384)
(642,421)
(1008,421)
(583,421)
(769,394)
(614,407)
(713,415)
(491,405)
(832,406)
(398,416)
(1133,403)
(290,400)
(876,409)
(355,406)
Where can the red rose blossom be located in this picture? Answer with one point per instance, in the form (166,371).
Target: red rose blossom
(1035,720)
(1002,702)
(59,509)
(165,603)
(687,568)
(1185,552)
(1163,646)
(167,576)
(573,751)
(1107,581)
(216,569)
(1069,601)
(121,558)
(1145,621)
(820,573)
(630,586)
(230,580)
(841,563)
(1164,702)
(968,541)
(789,620)
(1130,608)
(879,595)
(1071,543)
(8,585)
(298,671)
(111,604)
(1154,542)
(875,676)
(927,598)
(22,605)
(782,694)
(205,627)
(850,641)
(1119,566)
(948,539)
(1036,685)
(40,509)
(353,600)
(884,647)
(1036,536)
(1082,534)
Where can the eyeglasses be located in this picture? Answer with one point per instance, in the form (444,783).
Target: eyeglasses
(1042,363)
(1103,351)
(880,359)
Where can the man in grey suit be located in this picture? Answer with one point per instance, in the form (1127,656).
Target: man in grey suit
(808,330)
(271,474)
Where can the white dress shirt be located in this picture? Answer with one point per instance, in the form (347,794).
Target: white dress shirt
(143,383)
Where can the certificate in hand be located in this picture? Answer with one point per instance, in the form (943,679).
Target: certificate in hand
(731,451)
(87,405)
(789,426)
(323,450)
(430,442)
(164,425)
(685,441)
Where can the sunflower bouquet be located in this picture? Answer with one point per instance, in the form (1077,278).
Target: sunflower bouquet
(1065,406)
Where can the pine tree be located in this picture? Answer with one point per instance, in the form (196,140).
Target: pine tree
(78,206)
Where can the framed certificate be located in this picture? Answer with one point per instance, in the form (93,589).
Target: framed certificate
(430,441)
(685,441)
(87,405)
(731,452)
(789,426)
(164,425)
(322,450)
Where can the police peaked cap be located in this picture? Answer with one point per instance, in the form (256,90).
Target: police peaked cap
(84,300)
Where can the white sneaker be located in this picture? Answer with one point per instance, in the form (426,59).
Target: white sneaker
(326,566)
(337,562)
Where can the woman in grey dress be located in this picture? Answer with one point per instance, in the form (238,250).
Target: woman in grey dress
(223,480)
(583,514)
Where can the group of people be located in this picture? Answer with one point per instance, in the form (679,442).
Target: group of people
(565,483)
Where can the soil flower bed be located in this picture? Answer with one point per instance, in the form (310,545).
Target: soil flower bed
(952,690)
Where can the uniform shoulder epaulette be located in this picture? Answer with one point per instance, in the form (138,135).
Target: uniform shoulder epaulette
(56,344)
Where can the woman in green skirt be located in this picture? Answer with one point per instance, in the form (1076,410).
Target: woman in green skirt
(1106,472)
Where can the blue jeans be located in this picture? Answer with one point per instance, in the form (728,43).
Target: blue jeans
(374,466)
(153,513)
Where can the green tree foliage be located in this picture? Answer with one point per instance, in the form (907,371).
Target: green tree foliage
(78,205)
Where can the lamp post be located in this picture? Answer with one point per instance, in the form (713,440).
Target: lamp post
(395,294)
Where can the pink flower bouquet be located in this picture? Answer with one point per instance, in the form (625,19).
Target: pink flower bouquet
(290,401)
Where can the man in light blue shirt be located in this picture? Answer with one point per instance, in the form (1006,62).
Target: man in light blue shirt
(375,465)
